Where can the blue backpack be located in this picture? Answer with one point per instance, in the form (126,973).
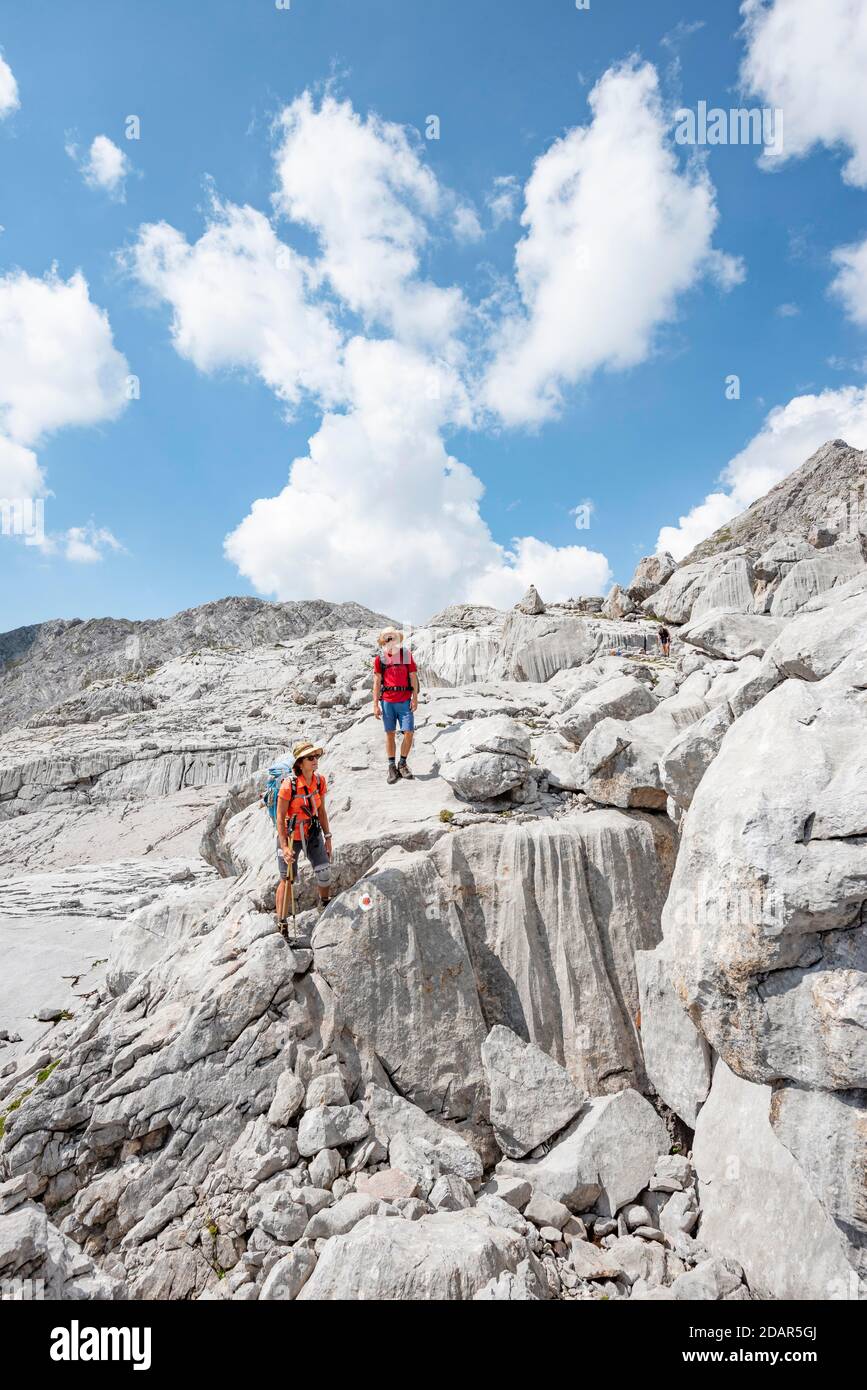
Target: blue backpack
(277,773)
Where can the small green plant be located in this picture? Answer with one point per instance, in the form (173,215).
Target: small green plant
(213,1231)
(442,726)
(447,816)
(13,1105)
(16,1104)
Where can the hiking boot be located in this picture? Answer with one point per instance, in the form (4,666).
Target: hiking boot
(299,943)
(404,771)
(392,774)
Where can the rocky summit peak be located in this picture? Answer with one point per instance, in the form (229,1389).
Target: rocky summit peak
(825,496)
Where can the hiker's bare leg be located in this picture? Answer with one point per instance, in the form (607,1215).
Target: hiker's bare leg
(389,743)
(322,873)
(283,900)
(405,744)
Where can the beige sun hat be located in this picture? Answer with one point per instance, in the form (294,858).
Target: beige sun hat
(387,634)
(305,750)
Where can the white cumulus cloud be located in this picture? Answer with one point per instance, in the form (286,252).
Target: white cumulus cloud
(467,227)
(9,99)
(105,167)
(362,185)
(20,474)
(559,572)
(789,435)
(503,199)
(240,299)
(809,60)
(58,367)
(850,283)
(377,509)
(615,232)
(58,362)
(86,545)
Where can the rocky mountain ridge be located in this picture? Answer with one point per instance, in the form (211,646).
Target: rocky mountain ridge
(584,1018)
(45,663)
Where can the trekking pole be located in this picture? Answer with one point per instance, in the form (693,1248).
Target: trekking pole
(292,899)
(290,873)
(304,842)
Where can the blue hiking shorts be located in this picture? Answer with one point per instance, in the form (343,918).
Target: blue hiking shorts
(397,714)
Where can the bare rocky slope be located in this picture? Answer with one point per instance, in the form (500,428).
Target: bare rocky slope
(584,1019)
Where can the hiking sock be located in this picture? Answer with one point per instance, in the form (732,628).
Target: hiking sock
(403,758)
(392,761)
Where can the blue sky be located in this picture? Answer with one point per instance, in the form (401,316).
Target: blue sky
(597,401)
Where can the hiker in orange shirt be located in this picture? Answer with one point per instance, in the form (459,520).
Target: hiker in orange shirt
(302,822)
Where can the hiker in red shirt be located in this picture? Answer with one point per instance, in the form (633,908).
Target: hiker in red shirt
(395,697)
(302,822)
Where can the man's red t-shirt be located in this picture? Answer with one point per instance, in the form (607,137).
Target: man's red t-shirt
(396,676)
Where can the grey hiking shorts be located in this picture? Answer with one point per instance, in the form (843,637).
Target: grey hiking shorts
(317,854)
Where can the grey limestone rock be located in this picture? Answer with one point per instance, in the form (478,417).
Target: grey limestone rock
(532,1097)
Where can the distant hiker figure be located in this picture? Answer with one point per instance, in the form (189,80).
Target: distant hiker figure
(302,823)
(663,636)
(395,697)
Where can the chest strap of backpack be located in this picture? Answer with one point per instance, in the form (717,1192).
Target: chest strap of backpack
(312,814)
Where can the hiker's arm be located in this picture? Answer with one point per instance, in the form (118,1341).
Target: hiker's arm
(282,816)
(377,690)
(326,828)
(413,680)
